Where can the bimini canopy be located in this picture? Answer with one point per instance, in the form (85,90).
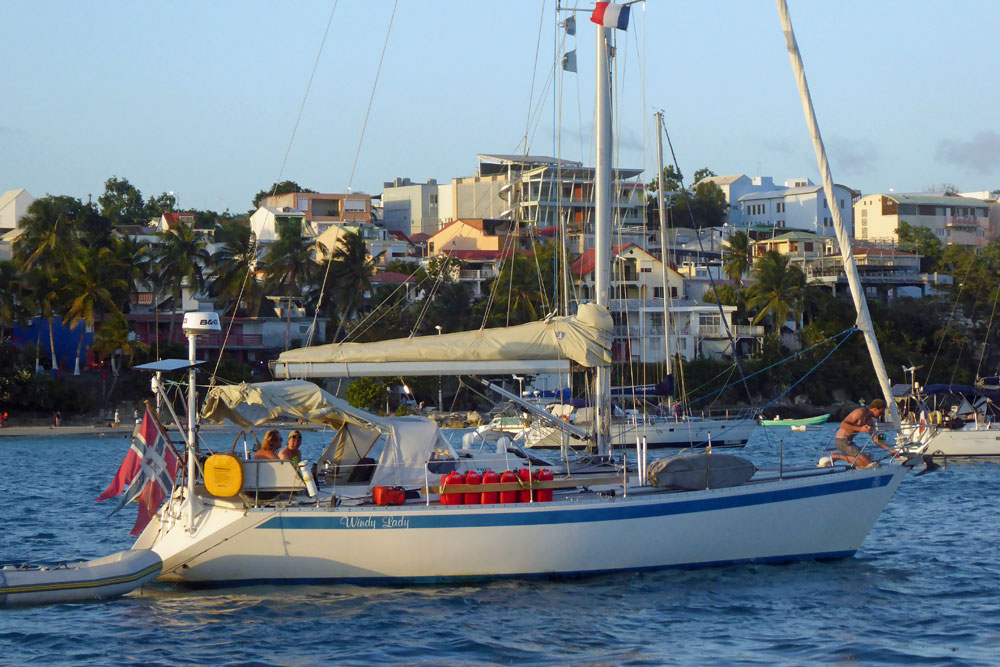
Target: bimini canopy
(414,446)
(549,345)
(254,404)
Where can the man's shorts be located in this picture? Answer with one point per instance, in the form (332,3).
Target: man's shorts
(846,447)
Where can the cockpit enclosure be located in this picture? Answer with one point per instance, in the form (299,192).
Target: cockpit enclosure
(414,446)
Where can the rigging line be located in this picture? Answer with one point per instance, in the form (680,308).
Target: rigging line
(947,326)
(986,339)
(371,98)
(319,301)
(383,312)
(302,107)
(711,278)
(971,316)
(429,298)
(846,333)
(534,71)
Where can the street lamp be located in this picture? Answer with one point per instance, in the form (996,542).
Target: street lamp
(520,385)
(440,402)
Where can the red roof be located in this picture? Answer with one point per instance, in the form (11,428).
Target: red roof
(398,235)
(547,231)
(585,263)
(172,219)
(419,237)
(391,277)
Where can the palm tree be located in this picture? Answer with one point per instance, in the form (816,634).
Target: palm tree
(351,270)
(737,256)
(132,262)
(233,267)
(289,266)
(181,258)
(49,237)
(43,288)
(15,301)
(776,290)
(88,292)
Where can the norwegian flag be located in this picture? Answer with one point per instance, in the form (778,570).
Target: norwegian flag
(611,15)
(149,471)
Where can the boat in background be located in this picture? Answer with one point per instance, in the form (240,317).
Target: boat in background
(947,420)
(804,421)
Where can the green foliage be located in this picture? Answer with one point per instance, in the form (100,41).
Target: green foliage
(155,207)
(282,188)
(706,208)
(921,240)
(524,287)
(365,393)
(737,256)
(777,289)
(672,180)
(704,172)
(122,202)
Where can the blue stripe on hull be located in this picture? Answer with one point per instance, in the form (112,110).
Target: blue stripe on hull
(612,512)
(397,581)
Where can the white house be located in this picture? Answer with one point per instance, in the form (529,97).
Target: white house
(802,207)
(264,222)
(415,208)
(13,206)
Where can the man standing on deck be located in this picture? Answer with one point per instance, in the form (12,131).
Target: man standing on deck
(862,420)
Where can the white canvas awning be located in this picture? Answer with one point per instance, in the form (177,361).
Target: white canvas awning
(549,345)
(254,404)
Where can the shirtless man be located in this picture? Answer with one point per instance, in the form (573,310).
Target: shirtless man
(862,420)
(291,451)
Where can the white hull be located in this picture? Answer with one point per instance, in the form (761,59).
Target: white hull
(659,434)
(819,516)
(969,441)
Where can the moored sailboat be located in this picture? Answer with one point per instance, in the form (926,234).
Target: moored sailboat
(423,512)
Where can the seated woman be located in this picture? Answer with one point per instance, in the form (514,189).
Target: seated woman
(269,447)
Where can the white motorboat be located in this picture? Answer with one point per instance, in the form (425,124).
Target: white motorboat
(958,421)
(413,516)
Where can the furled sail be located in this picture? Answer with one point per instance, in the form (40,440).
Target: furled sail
(584,339)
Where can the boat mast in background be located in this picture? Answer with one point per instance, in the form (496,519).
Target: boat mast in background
(663,255)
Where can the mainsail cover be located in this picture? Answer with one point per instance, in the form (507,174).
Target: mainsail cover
(254,404)
(584,338)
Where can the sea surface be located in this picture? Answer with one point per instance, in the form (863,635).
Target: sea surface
(923,589)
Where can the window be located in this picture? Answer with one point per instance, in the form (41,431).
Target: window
(841,203)
(808,246)
(657,292)
(433,200)
(825,203)
(646,269)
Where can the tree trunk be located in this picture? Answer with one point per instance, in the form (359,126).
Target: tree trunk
(52,347)
(79,349)
(343,319)
(38,346)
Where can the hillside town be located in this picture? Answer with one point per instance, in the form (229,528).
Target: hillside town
(88,286)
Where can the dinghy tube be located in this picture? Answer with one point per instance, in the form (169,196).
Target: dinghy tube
(105,577)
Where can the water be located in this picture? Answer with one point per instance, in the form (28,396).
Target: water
(924,588)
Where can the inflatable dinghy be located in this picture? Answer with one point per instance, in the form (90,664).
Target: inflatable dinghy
(105,577)
(691,472)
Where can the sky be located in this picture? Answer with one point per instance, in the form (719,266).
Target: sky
(203,99)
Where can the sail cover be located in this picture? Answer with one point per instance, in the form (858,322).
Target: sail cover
(584,338)
(254,404)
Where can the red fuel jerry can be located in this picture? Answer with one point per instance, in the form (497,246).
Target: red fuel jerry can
(490,497)
(454,477)
(473,477)
(543,475)
(524,495)
(508,496)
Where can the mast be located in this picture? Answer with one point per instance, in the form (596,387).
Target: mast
(602,229)
(864,321)
(663,253)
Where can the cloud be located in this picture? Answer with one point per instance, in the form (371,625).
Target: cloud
(981,153)
(854,155)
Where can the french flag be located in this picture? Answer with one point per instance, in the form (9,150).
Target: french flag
(611,15)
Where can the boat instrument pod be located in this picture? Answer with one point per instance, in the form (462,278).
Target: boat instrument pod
(201,323)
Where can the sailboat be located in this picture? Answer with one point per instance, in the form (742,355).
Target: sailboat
(947,420)
(423,513)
